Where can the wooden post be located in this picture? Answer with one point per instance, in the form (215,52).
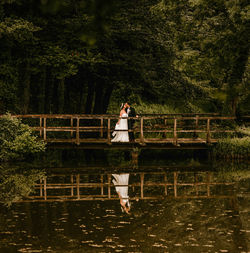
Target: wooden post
(195,135)
(78,186)
(41,125)
(41,188)
(44,129)
(45,188)
(108,133)
(102,184)
(141,132)
(165,181)
(101,134)
(77,131)
(208,131)
(109,190)
(165,124)
(175,184)
(175,132)
(72,185)
(196,186)
(72,125)
(142,182)
(208,183)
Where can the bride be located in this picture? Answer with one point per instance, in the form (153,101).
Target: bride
(122,124)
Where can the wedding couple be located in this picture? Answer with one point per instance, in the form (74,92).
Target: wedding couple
(121,133)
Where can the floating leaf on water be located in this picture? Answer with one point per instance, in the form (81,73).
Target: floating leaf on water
(90,241)
(121,246)
(177,244)
(124,222)
(96,245)
(151,235)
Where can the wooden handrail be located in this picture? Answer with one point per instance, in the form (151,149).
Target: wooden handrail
(103,125)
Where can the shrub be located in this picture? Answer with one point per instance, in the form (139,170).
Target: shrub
(17,140)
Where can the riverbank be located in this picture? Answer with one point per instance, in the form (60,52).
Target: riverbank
(234,147)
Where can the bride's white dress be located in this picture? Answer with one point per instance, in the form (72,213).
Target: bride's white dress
(121,136)
(122,179)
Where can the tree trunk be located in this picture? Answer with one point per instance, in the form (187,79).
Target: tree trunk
(49,93)
(26,89)
(106,98)
(83,98)
(41,95)
(98,99)
(91,90)
(60,93)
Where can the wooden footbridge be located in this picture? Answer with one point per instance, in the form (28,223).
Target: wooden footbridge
(165,129)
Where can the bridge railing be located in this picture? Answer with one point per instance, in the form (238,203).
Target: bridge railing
(160,128)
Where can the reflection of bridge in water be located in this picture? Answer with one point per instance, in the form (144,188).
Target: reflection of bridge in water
(142,185)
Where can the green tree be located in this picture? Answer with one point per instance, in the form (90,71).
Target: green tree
(211,44)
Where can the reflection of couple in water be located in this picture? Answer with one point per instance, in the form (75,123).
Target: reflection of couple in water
(121,186)
(121,133)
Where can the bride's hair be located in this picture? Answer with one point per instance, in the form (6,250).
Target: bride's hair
(122,105)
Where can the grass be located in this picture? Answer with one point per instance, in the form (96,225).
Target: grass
(233,148)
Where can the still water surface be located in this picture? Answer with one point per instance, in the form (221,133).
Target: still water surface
(187,218)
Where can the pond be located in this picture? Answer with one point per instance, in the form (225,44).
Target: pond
(175,206)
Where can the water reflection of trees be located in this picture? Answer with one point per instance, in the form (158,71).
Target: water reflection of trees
(17,184)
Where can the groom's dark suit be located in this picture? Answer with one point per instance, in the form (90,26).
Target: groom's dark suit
(131,113)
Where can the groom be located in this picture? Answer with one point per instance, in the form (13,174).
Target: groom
(131,113)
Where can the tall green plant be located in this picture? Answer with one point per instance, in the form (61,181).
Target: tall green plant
(17,140)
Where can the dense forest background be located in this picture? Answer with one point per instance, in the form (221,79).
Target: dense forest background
(88,56)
